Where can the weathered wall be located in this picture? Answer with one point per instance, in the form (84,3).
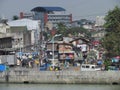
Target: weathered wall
(92,77)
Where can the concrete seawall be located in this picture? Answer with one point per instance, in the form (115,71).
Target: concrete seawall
(60,77)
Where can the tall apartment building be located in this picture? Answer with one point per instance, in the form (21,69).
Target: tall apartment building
(49,16)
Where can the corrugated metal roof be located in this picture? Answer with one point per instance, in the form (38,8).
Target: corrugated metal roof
(30,24)
(44,9)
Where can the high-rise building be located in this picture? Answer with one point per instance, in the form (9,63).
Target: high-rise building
(51,14)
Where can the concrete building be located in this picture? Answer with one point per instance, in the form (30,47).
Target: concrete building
(87,24)
(51,14)
(99,23)
(26,15)
(5,38)
(5,41)
(22,37)
(26,32)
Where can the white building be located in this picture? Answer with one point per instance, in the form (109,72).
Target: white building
(100,21)
(32,28)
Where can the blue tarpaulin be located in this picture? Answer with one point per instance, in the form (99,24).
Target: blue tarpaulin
(99,62)
(2,67)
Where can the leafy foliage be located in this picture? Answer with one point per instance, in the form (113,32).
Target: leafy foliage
(92,55)
(107,63)
(111,41)
(65,31)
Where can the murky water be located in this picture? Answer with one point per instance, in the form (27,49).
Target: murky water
(57,87)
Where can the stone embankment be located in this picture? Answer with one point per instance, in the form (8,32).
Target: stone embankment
(60,77)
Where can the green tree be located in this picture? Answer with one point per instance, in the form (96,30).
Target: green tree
(65,31)
(107,63)
(61,29)
(92,55)
(76,30)
(111,41)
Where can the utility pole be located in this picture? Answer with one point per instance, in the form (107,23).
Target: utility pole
(56,35)
(41,41)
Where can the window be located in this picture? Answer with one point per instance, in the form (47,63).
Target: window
(83,66)
(87,66)
(93,67)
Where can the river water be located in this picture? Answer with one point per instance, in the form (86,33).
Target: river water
(57,87)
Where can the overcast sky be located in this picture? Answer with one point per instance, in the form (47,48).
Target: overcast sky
(88,9)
